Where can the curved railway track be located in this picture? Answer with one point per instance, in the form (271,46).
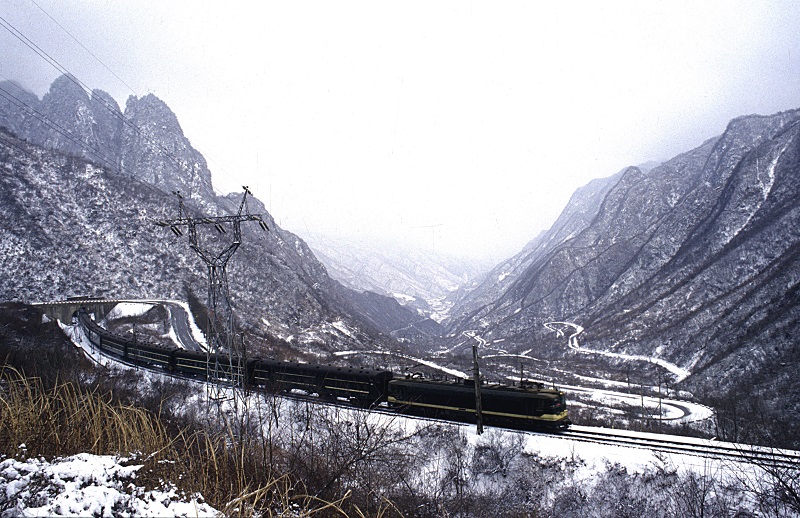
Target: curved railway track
(761,456)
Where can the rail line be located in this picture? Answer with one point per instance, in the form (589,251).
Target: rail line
(762,456)
(687,446)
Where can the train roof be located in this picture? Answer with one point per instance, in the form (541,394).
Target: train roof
(468,384)
(280,364)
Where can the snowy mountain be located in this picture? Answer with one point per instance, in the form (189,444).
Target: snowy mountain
(417,279)
(695,261)
(581,209)
(81,188)
(145,142)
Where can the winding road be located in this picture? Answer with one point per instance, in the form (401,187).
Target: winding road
(679,372)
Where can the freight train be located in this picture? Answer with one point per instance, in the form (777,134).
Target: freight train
(527,406)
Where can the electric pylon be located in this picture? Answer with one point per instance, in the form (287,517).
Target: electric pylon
(220,332)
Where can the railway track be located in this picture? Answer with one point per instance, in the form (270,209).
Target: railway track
(784,459)
(686,446)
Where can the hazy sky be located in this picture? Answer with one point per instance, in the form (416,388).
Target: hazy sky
(460,126)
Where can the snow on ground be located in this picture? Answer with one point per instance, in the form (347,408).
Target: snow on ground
(447,370)
(173,336)
(197,334)
(129,310)
(673,410)
(403,298)
(596,458)
(88,485)
(79,338)
(340,326)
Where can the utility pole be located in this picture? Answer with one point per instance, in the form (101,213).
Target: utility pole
(219,331)
(660,404)
(476,376)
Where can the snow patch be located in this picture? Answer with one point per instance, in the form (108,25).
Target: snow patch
(129,310)
(342,328)
(89,485)
(765,185)
(402,297)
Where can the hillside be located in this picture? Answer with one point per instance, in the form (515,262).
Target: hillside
(694,262)
(81,189)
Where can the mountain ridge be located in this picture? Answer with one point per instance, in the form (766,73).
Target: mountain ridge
(694,261)
(83,224)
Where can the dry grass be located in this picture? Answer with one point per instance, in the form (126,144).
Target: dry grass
(67,419)
(230,473)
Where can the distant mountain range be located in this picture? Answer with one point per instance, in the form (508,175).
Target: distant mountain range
(417,279)
(82,184)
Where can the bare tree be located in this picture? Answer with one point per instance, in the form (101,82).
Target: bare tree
(773,479)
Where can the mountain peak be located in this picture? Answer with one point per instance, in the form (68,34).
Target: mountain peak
(152,111)
(155,150)
(694,262)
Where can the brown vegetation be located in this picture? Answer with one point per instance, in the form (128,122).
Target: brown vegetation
(271,456)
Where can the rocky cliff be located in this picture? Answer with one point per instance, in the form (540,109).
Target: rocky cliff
(694,262)
(82,185)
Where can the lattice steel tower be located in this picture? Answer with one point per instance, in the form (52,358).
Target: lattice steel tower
(220,328)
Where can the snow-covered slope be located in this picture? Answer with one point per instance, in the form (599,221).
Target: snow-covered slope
(695,262)
(82,224)
(88,485)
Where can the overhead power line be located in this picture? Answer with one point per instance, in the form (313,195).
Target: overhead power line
(102,102)
(84,48)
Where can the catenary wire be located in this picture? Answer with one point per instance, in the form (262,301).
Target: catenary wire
(84,47)
(112,109)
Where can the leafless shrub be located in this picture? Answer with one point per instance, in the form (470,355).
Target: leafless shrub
(495,451)
(772,481)
(335,450)
(37,349)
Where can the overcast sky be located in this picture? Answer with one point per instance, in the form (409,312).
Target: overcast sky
(463,127)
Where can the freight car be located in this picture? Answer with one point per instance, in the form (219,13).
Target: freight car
(360,387)
(526,406)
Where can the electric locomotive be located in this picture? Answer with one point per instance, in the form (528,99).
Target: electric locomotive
(526,406)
